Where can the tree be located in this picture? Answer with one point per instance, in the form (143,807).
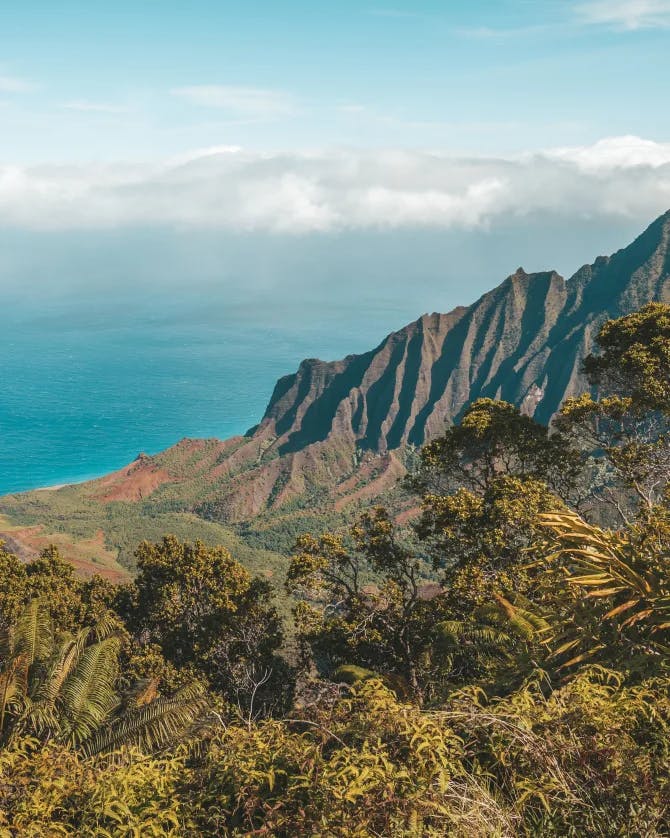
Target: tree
(624,430)
(73,602)
(498,595)
(204,611)
(366,603)
(634,358)
(481,610)
(494,534)
(483,485)
(13,588)
(494,440)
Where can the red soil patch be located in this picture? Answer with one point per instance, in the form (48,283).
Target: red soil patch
(28,542)
(430,590)
(407,515)
(365,472)
(133,483)
(391,472)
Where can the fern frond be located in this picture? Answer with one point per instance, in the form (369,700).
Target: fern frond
(33,634)
(107,625)
(61,666)
(152,726)
(88,696)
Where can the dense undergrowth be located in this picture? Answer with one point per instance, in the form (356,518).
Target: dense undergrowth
(498,668)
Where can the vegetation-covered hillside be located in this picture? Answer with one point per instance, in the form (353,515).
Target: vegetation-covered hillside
(498,666)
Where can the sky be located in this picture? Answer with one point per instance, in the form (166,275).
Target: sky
(138,79)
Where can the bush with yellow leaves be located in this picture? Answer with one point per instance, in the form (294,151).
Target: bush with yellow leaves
(53,791)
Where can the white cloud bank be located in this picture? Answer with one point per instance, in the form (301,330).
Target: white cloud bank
(231,189)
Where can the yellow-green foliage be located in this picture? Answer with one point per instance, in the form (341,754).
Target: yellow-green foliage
(51,791)
(618,566)
(590,758)
(489,539)
(371,766)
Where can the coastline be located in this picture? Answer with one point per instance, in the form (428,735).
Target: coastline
(56,486)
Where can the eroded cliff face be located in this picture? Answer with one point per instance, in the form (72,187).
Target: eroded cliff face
(523,342)
(420,378)
(340,429)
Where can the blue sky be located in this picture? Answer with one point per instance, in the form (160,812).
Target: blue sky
(137,79)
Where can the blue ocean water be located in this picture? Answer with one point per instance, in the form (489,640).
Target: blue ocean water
(117,343)
(83,395)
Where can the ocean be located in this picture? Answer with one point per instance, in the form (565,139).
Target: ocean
(82,396)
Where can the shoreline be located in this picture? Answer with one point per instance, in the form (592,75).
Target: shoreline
(56,486)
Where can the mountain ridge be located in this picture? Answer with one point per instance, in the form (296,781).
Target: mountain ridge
(523,341)
(636,274)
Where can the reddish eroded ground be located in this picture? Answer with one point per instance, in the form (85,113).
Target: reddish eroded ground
(28,542)
(194,457)
(133,483)
(250,493)
(380,481)
(191,459)
(405,516)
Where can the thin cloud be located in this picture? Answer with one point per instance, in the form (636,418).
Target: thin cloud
(625,14)
(249,101)
(490,33)
(12,84)
(351,108)
(198,153)
(94,107)
(392,13)
(301,193)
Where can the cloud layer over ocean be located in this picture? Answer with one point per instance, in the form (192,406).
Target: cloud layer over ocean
(231,189)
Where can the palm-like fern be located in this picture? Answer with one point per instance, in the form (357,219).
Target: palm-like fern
(608,565)
(153,725)
(32,634)
(612,568)
(22,646)
(88,696)
(496,624)
(67,691)
(500,637)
